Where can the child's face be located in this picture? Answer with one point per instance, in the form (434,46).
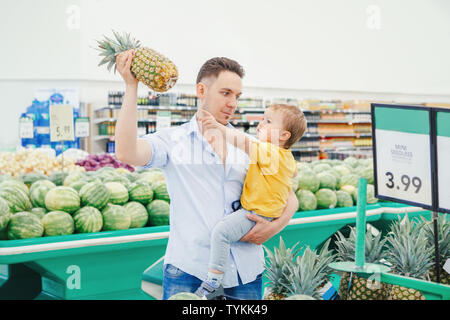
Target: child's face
(270,129)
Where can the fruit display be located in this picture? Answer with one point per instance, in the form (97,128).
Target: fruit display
(148,66)
(327,184)
(82,202)
(93,162)
(38,161)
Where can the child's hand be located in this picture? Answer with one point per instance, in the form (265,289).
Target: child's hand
(207,119)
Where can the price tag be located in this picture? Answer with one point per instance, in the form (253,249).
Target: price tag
(163,119)
(82,127)
(403,156)
(61,123)
(443,156)
(26,129)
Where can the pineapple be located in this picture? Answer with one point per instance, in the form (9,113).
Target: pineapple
(410,256)
(353,287)
(309,272)
(148,66)
(444,245)
(277,268)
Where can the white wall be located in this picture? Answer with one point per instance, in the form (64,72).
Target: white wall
(320,48)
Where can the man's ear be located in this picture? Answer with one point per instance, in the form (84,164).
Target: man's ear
(200,90)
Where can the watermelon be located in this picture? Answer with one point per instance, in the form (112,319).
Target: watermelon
(152,176)
(326,199)
(77,185)
(115,217)
(118,193)
(351,161)
(16,198)
(320,167)
(94,194)
(58,178)
(140,192)
(138,214)
(308,181)
(349,179)
(344,199)
(5,214)
(15,184)
(370,194)
(25,225)
(30,178)
(158,213)
(88,219)
(350,190)
(306,200)
(343,170)
(38,191)
(62,199)
(73,177)
(39,212)
(185,296)
(160,191)
(304,166)
(58,223)
(327,180)
(118,178)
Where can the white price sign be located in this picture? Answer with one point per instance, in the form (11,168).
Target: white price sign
(26,129)
(403,154)
(82,127)
(61,123)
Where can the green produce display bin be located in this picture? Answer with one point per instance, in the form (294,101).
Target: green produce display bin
(116,265)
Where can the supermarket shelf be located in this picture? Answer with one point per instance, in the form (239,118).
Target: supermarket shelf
(310,149)
(339,121)
(337,111)
(149,107)
(100,120)
(357,135)
(100,137)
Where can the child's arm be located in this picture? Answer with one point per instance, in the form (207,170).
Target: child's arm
(237,138)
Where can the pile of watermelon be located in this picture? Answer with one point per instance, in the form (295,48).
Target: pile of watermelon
(64,203)
(327,184)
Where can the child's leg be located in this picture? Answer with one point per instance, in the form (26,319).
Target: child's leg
(230,229)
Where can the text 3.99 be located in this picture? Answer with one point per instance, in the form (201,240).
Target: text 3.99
(405,180)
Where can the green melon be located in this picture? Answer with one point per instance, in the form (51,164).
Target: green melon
(25,225)
(185,296)
(62,199)
(352,161)
(38,191)
(58,178)
(343,169)
(118,193)
(58,223)
(160,191)
(15,184)
(39,212)
(88,219)
(370,194)
(306,200)
(94,194)
(5,214)
(158,213)
(326,199)
(320,167)
(350,190)
(327,180)
(115,217)
(73,177)
(118,178)
(152,176)
(16,198)
(138,214)
(349,179)
(30,178)
(308,180)
(140,192)
(344,199)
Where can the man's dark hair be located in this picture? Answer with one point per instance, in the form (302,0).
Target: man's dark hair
(214,66)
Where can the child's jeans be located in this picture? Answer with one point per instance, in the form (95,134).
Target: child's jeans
(230,229)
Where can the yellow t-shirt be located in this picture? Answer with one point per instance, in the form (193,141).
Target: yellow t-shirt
(268,181)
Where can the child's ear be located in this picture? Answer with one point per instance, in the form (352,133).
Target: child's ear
(285,135)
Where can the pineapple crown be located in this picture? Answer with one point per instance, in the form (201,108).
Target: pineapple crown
(110,48)
(309,271)
(443,227)
(346,246)
(277,266)
(407,249)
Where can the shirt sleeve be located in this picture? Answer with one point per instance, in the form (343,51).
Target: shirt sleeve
(160,150)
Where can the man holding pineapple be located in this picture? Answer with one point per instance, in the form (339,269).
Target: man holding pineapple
(204,179)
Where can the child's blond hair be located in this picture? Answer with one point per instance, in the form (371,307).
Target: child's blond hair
(294,121)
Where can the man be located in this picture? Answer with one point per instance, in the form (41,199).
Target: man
(204,179)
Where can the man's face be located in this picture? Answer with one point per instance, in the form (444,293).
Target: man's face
(221,95)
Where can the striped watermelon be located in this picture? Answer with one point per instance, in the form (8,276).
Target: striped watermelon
(25,225)
(39,212)
(5,214)
(38,191)
(15,184)
(94,194)
(115,217)
(58,178)
(160,191)
(30,178)
(88,219)
(152,176)
(158,213)
(140,192)
(118,192)
(118,178)
(73,177)
(138,214)
(17,199)
(62,199)
(58,223)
